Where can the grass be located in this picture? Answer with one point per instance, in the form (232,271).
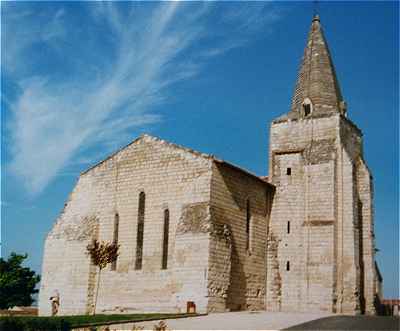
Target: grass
(90,320)
(99,319)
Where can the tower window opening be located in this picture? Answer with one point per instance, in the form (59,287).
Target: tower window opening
(288,227)
(164,263)
(115,238)
(248,226)
(140,230)
(289,171)
(307,109)
(287,266)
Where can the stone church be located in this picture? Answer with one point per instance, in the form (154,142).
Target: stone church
(193,228)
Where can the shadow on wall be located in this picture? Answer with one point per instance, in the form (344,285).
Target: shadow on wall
(242,201)
(236,299)
(238,283)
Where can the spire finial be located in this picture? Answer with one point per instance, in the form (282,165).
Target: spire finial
(315,11)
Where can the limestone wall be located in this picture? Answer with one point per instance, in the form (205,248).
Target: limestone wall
(64,271)
(318,232)
(288,207)
(302,260)
(220,267)
(244,287)
(327,198)
(172,178)
(366,228)
(358,220)
(65,265)
(290,136)
(348,249)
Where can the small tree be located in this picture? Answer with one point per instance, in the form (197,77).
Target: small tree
(17,283)
(101,254)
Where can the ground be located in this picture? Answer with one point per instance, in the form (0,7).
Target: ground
(351,323)
(274,321)
(243,320)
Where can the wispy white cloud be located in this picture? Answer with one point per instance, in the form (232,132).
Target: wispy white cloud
(107,74)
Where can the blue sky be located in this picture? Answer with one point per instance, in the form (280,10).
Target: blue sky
(80,80)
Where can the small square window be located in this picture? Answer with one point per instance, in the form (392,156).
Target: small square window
(289,171)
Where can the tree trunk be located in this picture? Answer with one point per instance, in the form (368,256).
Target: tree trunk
(97,292)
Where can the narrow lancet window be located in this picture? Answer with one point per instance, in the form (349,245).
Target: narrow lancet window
(307,107)
(140,230)
(248,226)
(287,266)
(115,238)
(164,264)
(288,227)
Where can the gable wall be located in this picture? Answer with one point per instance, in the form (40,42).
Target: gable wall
(171,178)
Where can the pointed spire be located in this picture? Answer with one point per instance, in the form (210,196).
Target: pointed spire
(317,83)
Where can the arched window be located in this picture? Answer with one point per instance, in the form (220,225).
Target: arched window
(287,266)
(140,230)
(248,225)
(115,238)
(164,263)
(307,107)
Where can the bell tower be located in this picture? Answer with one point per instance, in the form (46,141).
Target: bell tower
(320,238)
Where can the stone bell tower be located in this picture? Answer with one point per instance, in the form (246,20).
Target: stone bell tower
(321,234)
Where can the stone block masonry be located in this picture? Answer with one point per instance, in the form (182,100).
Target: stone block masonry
(203,255)
(326,261)
(171,178)
(241,204)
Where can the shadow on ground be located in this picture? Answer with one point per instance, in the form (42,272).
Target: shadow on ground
(375,323)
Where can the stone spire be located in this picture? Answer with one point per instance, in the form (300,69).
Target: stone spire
(317,84)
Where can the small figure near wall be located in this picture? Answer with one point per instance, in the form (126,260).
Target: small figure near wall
(55,303)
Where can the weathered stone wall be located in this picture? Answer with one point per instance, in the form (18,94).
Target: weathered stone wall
(273,290)
(65,265)
(302,219)
(318,231)
(358,221)
(289,207)
(347,249)
(244,288)
(327,198)
(172,178)
(366,228)
(220,267)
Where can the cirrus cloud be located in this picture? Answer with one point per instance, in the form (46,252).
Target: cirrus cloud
(87,74)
